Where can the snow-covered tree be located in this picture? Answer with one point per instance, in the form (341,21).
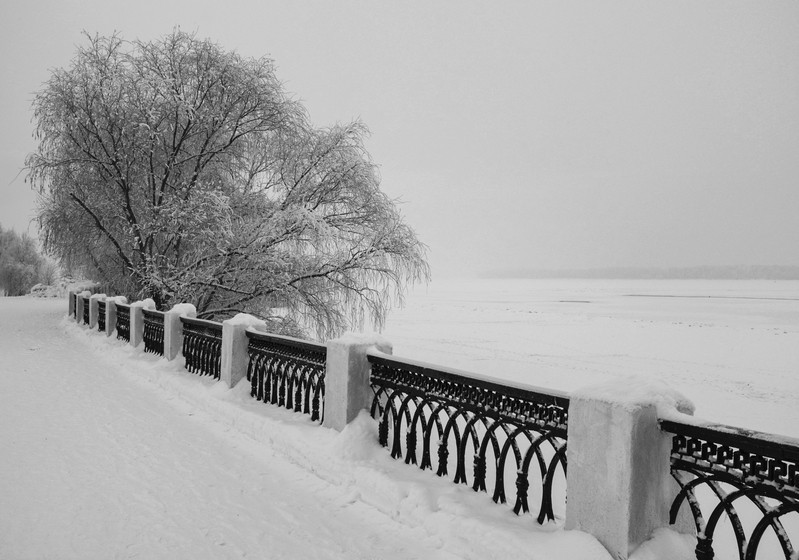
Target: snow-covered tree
(21,265)
(180,171)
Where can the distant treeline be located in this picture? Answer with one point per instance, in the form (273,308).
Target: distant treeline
(742,272)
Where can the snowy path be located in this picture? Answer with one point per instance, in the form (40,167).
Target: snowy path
(111,453)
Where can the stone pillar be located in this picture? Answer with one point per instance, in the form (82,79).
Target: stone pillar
(137,320)
(173,329)
(347,390)
(618,481)
(94,309)
(234,347)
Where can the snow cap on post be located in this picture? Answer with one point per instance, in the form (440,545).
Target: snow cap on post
(619,461)
(234,346)
(347,390)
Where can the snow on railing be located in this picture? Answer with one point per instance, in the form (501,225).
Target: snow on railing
(436,412)
(747,479)
(153,333)
(287,372)
(123,322)
(202,346)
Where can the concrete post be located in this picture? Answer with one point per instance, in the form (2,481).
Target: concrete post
(234,347)
(94,309)
(110,316)
(347,389)
(137,320)
(619,486)
(173,329)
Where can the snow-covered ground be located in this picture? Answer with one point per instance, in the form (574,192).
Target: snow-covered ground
(731,346)
(108,452)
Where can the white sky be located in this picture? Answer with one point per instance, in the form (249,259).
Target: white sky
(518,134)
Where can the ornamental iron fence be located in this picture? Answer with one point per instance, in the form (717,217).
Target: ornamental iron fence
(153,332)
(101,315)
(74,304)
(287,372)
(202,346)
(436,412)
(85,310)
(739,480)
(123,322)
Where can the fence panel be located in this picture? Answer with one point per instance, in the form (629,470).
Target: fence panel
(287,372)
(153,334)
(202,346)
(85,310)
(738,481)
(123,322)
(101,315)
(435,413)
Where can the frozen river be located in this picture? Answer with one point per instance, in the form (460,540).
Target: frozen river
(731,346)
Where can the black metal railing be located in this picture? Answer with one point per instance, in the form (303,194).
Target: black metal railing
(437,413)
(202,346)
(287,372)
(85,310)
(745,480)
(123,321)
(153,332)
(101,315)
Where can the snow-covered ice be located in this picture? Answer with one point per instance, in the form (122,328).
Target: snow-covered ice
(730,346)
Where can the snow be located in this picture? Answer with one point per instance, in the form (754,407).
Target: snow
(184,310)
(247,320)
(144,304)
(633,392)
(117,299)
(110,452)
(116,453)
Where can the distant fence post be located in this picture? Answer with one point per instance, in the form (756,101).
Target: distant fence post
(173,329)
(234,347)
(618,480)
(137,320)
(94,308)
(347,389)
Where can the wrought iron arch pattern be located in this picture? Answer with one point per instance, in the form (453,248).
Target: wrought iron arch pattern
(202,346)
(736,466)
(287,372)
(442,412)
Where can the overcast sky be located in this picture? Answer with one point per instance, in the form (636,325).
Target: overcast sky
(517,134)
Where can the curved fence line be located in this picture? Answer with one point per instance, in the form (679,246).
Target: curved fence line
(437,414)
(747,479)
(287,372)
(202,346)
